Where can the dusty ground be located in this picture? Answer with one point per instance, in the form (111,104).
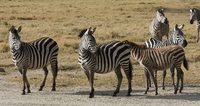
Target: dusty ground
(76,96)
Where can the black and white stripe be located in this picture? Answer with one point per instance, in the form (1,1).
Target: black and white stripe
(159,59)
(104,58)
(176,38)
(33,55)
(195,16)
(160,25)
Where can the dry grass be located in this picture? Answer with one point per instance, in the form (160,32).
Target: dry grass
(115,20)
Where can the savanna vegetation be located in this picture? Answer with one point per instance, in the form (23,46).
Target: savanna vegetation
(120,20)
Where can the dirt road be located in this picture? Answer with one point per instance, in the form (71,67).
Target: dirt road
(78,96)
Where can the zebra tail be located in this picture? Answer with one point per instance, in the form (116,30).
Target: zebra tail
(185,63)
(130,70)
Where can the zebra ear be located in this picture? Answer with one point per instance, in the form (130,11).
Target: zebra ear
(176,27)
(12,29)
(191,10)
(162,9)
(92,30)
(181,27)
(19,29)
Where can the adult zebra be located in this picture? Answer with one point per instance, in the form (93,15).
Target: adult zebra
(104,58)
(176,38)
(159,59)
(195,16)
(33,55)
(160,25)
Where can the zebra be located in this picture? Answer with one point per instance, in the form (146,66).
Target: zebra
(152,59)
(33,55)
(195,16)
(104,58)
(176,38)
(159,25)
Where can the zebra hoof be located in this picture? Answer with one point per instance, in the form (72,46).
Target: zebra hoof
(28,91)
(128,94)
(175,92)
(53,89)
(23,93)
(40,89)
(156,93)
(91,96)
(114,95)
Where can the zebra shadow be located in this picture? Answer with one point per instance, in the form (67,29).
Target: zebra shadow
(189,94)
(122,93)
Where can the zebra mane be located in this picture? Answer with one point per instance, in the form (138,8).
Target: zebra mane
(82,33)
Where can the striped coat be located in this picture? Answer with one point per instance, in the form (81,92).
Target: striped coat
(104,58)
(195,16)
(159,59)
(159,25)
(33,55)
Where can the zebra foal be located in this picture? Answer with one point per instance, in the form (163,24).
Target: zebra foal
(159,25)
(104,58)
(195,16)
(159,59)
(33,55)
(176,38)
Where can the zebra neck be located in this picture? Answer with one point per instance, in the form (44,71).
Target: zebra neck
(168,42)
(87,57)
(198,16)
(157,24)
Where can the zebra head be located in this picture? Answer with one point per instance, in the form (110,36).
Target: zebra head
(161,16)
(88,42)
(177,36)
(193,15)
(14,39)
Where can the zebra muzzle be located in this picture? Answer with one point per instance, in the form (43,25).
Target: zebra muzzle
(184,43)
(191,22)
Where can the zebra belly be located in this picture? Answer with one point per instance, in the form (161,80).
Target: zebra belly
(162,65)
(102,71)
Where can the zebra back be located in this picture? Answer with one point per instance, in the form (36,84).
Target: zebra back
(32,55)
(111,55)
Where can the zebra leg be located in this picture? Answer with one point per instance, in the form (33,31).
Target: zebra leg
(163,79)
(148,82)
(182,78)
(129,77)
(198,29)
(91,84)
(23,72)
(44,79)
(151,72)
(119,77)
(54,67)
(90,76)
(172,75)
(178,78)
(28,86)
